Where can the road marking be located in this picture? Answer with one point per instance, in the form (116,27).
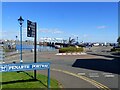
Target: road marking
(93,75)
(82,53)
(81,74)
(109,76)
(93,82)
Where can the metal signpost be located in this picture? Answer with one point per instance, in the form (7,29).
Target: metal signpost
(25,67)
(31,32)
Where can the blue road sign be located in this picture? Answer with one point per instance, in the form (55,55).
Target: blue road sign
(23,67)
(27,66)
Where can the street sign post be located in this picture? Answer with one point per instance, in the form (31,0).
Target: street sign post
(27,66)
(35,45)
(31,32)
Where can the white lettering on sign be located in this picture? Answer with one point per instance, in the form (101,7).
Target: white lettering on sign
(23,67)
(18,67)
(40,66)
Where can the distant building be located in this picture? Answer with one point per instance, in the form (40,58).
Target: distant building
(96,44)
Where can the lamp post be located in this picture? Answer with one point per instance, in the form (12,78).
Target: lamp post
(77,40)
(20,20)
(16,42)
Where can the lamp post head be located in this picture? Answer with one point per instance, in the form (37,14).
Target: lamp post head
(20,20)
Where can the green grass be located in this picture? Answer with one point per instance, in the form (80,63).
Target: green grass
(25,80)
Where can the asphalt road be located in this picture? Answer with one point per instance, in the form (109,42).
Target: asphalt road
(99,65)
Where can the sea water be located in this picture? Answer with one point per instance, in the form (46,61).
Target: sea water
(40,48)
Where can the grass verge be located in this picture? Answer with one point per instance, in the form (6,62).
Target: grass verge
(25,80)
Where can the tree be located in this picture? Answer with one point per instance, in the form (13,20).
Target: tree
(71,40)
(118,40)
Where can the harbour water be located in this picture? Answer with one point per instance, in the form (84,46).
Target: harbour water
(39,48)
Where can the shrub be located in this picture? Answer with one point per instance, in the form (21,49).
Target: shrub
(115,49)
(8,50)
(70,49)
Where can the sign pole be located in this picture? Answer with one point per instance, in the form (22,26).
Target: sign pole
(48,80)
(35,45)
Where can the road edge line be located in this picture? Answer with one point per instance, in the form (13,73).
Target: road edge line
(91,81)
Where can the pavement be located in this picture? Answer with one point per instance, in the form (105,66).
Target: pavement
(93,70)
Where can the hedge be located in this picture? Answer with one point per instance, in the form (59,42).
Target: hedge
(115,49)
(70,49)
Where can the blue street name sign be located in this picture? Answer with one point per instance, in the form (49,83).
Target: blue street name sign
(23,67)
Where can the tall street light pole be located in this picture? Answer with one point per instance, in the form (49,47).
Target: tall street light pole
(20,20)
(16,42)
(77,40)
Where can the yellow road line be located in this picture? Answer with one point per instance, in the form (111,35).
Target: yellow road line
(93,82)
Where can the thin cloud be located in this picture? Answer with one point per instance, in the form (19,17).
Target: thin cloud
(101,27)
(85,35)
(7,32)
(52,31)
(74,35)
(57,32)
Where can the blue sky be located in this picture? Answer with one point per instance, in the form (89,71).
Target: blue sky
(89,21)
